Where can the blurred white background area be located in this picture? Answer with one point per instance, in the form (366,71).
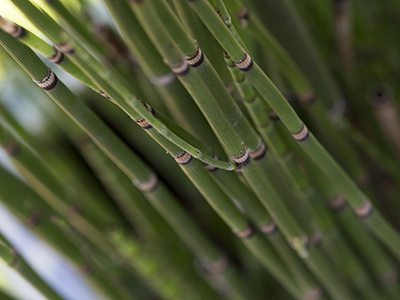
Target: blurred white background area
(47,263)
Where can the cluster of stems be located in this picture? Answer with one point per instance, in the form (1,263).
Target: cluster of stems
(209,154)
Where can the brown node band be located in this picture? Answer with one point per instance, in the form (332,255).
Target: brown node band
(196,59)
(149,108)
(19,32)
(86,270)
(252,99)
(181,70)
(314,294)
(16,258)
(305,239)
(307,98)
(144,124)
(259,152)
(12,148)
(270,228)
(365,210)
(340,5)
(317,239)
(149,185)
(217,267)
(247,233)
(12,29)
(272,114)
(364,181)
(58,56)
(212,168)
(33,220)
(243,14)
(242,160)
(67,48)
(183,158)
(104,95)
(303,135)
(163,80)
(241,79)
(389,278)
(337,204)
(49,82)
(245,64)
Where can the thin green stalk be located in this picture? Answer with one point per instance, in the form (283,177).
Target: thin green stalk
(357,199)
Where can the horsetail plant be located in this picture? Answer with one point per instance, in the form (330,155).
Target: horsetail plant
(222,191)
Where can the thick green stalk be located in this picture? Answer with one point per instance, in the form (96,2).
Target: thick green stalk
(357,199)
